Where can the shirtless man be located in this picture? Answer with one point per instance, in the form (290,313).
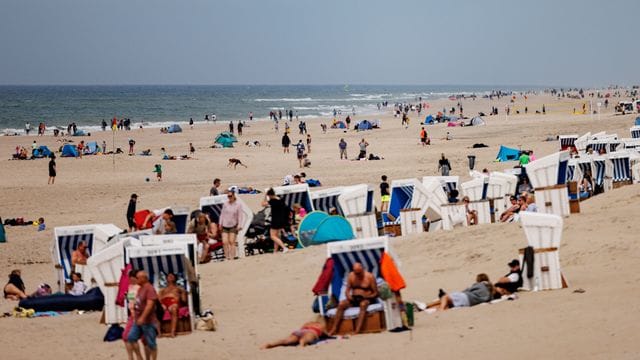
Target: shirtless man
(80,255)
(361,290)
(170,298)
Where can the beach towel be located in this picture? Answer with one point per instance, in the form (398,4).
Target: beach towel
(139,217)
(313,182)
(324,280)
(123,285)
(390,273)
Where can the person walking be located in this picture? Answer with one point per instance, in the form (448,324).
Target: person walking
(342,145)
(146,320)
(280,214)
(444,166)
(27,128)
(230,220)
(231,126)
(300,152)
(52,169)
(286,141)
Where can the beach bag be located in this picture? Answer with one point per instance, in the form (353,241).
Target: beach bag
(207,323)
(384,291)
(114,333)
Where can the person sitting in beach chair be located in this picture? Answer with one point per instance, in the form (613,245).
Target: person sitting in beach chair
(79,255)
(481,291)
(235,162)
(171,297)
(511,282)
(512,210)
(361,290)
(472,215)
(308,334)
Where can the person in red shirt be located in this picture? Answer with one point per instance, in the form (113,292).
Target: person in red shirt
(146,324)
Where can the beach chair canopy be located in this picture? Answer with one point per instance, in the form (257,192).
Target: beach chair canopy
(324,200)
(226,139)
(175,128)
(295,194)
(69,150)
(507,154)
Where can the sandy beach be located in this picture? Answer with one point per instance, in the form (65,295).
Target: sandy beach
(260,298)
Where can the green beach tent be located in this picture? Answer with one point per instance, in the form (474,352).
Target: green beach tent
(226,139)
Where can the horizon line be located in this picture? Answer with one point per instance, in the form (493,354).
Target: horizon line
(317,84)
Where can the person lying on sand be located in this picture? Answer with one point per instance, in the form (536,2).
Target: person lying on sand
(481,291)
(235,162)
(308,333)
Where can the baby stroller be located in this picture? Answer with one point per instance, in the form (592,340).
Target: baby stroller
(257,236)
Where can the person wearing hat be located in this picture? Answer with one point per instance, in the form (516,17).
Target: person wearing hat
(511,282)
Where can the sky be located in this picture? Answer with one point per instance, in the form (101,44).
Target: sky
(423,42)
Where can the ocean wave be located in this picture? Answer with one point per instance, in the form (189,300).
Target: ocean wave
(285,99)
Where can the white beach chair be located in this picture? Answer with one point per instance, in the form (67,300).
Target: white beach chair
(356,203)
(621,162)
(65,242)
(368,252)
(443,215)
(212,206)
(567,141)
(548,176)
(501,187)
(543,233)
(295,194)
(476,189)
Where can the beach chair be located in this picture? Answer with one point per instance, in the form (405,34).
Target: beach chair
(65,242)
(500,183)
(107,266)
(476,189)
(408,204)
(581,142)
(448,182)
(567,141)
(635,132)
(380,315)
(630,144)
(295,194)
(158,260)
(603,176)
(212,206)
(443,215)
(548,177)
(621,168)
(356,203)
(543,233)
(325,199)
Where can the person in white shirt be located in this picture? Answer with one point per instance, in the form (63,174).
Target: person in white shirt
(79,287)
(230,224)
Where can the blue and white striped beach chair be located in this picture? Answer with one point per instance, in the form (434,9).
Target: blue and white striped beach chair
(635,132)
(621,169)
(295,194)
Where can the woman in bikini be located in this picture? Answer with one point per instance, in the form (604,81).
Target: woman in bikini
(308,333)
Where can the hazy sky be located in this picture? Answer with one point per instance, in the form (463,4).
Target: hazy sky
(534,42)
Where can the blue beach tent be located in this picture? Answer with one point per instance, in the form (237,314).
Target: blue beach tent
(318,227)
(507,154)
(175,128)
(42,151)
(429,120)
(69,150)
(92,147)
(364,125)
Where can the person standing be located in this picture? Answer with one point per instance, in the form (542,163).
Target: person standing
(191,123)
(131,145)
(300,151)
(104,147)
(384,194)
(309,143)
(52,170)
(230,220)
(286,141)
(444,166)
(423,137)
(192,150)
(131,212)
(27,128)
(146,324)
(363,149)
(280,214)
(231,126)
(250,115)
(342,145)
(240,126)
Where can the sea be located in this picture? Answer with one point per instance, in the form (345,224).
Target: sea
(161,105)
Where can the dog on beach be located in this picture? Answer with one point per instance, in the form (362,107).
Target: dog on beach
(235,162)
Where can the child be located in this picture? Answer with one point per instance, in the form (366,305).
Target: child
(41,225)
(170,227)
(384,194)
(79,287)
(158,171)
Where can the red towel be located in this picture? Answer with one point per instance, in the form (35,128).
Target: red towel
(139,217)
(123,286)
(324,280)
(390,273)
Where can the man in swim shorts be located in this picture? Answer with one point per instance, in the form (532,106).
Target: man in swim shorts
(170,298)
(361,291)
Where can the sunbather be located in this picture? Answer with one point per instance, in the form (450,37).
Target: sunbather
(170,297)
(204,230)
(308,333)
(15,289)
(472,215)
(361,290)
(79,255)
(477,293)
